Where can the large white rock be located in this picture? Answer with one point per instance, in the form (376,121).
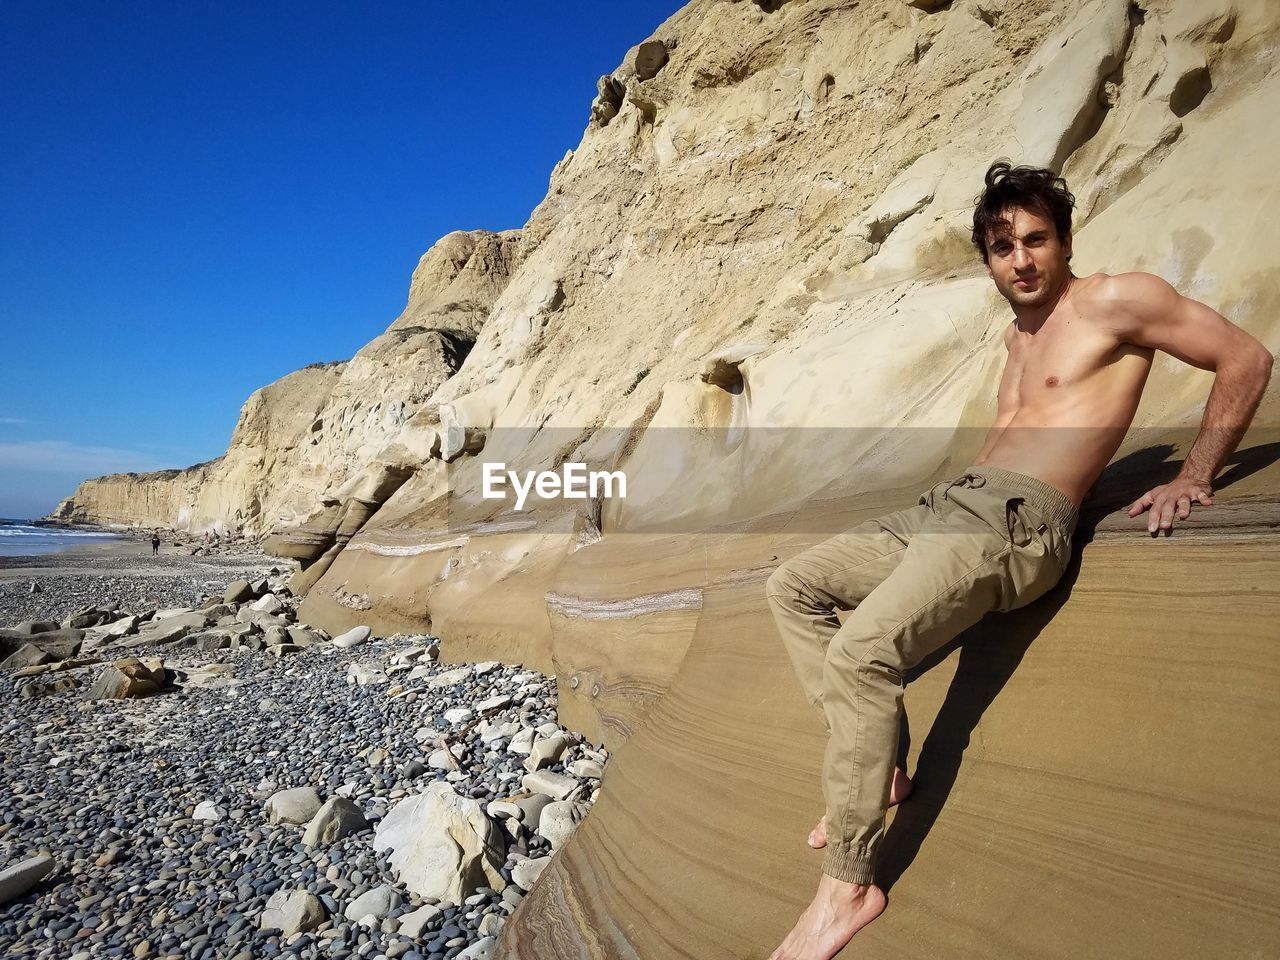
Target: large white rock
(526,872)
(377,903)
(352,637)
(292,911)
(547,751)
(362,674)
(559,820)
(442,845)
(338,818)
(268,603)
(448,678)
(482,949)
(412,924)
(555,785)
(22,876)
(209,810)
(296,806)
(522,742)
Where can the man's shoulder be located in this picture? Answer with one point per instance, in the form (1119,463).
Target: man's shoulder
(1121,300)
(1123,291)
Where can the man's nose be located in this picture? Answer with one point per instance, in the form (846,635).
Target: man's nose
(1021,257)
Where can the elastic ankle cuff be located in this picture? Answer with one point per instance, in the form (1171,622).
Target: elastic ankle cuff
(845,863)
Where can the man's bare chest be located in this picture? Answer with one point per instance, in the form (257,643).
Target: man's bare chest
(1063,361)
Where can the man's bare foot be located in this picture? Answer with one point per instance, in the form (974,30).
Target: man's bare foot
(900,790)
(839,910)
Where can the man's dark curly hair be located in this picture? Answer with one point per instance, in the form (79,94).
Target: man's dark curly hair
(1031,188)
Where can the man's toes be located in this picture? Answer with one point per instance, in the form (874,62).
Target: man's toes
(818,835)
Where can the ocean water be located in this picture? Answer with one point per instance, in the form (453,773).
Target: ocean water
(19,539)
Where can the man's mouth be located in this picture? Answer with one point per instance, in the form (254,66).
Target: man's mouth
(1024,282)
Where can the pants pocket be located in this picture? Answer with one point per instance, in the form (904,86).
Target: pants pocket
(1037,556)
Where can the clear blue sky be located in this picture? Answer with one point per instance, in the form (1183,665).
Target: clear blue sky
(197,199)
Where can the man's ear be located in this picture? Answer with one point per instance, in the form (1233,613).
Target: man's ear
(1067,246)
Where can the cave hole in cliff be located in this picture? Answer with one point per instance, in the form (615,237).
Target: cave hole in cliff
(727,375)
(1190,90)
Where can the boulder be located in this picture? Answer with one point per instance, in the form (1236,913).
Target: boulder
(263,621)
(547,751)
(482,949)
(442,845)
(586,769)
(267,603)
(238,591)
(338,817)
(526,872)
(28,655)
(362,674)
(555,785)
(120,628)
(531,807)
(412,924)
(36,626)
(301,636)
(283,649)
(214,640)
(83,620)
(170,629)
(377,903)
(354,636)
(170,612)
(126,678)
(446,679)
(209,811)
(60,644)
(559,820)
(292,911)
(298,805)
(22,876)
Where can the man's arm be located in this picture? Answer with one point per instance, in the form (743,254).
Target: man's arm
(1146,311)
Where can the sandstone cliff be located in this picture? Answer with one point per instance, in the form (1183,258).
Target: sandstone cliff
(750,286)
(301,437)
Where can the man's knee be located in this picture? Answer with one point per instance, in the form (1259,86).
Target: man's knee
(863,656)
(784,582)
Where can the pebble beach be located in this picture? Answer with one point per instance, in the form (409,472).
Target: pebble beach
(191,773)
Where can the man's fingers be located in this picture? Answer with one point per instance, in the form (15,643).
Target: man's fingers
(1141,503)
(1184,507)
(1153,518)
(1161,514)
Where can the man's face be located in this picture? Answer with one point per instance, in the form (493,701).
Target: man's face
(1026,260)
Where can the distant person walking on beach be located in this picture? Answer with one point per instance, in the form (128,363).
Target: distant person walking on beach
(997,536)
(155,544)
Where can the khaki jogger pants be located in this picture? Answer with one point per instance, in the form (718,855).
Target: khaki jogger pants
(987,540)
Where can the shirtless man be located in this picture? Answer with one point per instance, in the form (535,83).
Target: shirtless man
(998,536)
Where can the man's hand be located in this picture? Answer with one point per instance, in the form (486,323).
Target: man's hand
(1172,498)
